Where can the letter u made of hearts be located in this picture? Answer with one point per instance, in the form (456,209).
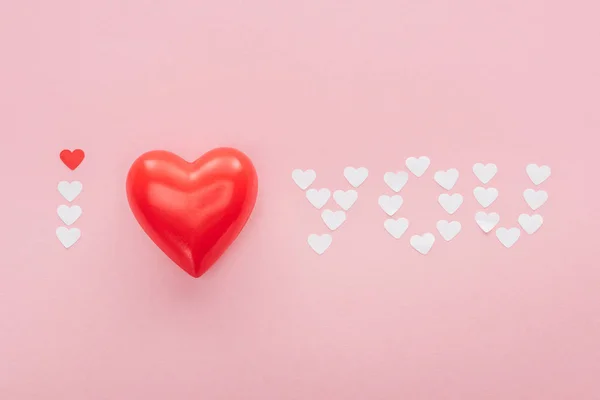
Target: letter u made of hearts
(192,211)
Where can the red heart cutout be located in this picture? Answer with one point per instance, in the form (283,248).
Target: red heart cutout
(72,159)
(192,211)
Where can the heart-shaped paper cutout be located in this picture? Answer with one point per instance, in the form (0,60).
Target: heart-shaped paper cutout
(72,159)
(192,211)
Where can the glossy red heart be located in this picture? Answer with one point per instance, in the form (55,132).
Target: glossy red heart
(192,211)
(72,159)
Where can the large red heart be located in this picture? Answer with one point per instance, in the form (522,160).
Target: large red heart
(192,211)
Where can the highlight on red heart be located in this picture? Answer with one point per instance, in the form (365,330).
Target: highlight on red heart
(192,211)
(72,159)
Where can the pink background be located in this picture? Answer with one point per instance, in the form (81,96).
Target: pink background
(306,84)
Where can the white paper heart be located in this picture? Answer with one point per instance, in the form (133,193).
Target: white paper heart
(390,204)
(68,236)
(508,237)
(318,197)
(319,243)
(485,197)
(530,223)
(538,174)
(69,215)
(396,181)
(396,227)
(446,179)
(304,178)
(487,222)
(450,203)
(422,243)
(485,173)
(535,198)
(448,230)
(70,190)
(356,176)
(333,219)
(418,166)
(345,199)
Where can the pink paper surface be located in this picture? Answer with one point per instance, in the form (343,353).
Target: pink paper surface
(307,84)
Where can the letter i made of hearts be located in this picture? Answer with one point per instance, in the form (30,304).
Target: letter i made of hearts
(192,211)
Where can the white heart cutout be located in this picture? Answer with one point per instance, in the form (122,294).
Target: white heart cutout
(530,223)
(446,179)
(356,176)
(418,166)
(508,237)
(396,227)
(345,199)
(538,174)
(70,190)
(69,215)
(304,178)
(390,204)
(333,219)
(68,236)
(485,173)
(487,222)
(484,196)
(422,243)
(448,230)
(450,203)
(318,197)
(535,198)
(319,243)
(396,181)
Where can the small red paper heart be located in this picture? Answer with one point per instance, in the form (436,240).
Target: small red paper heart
(192,211)
(72,159)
